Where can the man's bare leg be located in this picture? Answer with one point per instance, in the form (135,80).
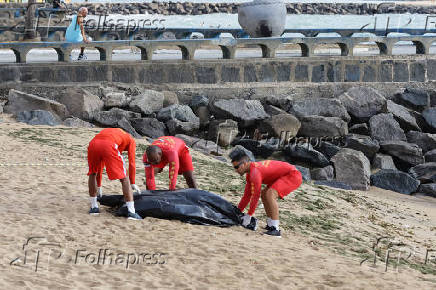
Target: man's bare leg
(190,179)
(92,185)
(127,191)
(271,196)
(265,202)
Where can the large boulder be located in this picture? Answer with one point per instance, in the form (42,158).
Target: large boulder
(430,118)
(76,122)
(124,124)
(280,125)
(428,189)
(170,98)
(205,146)
(430,156)
(364,144)
(111,117)
(361,129)
(223,131)
(305,172)
(414,99)
(203,114)
(273,110)
(20,101)
(327,148)
(425,141)
(305,154)
(352,167)
(395,180)
(258,148)
(406,120)
(149,127)
(247,112)
(382,161)
(38,117)
(80,103)
(115,99)
(199,101)
(325,173)
(385,128)
(179,127)
(318,126)
(425,172)
(362,102)
(179,119)
(405,154)
(319,107)
(147,102)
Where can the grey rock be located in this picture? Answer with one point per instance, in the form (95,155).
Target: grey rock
(405,154)
(430,156)
(170,98)
(305,172)
(126,126)
(428,189)
(425,172)
(2,104)
(147,102)
(178,127)
(382,161)
(361,129)
(415,99)
(326,173)
(76,122)
(203,114)
(406,120)
(425,141)
(38,117)
(273,110)
(318,126)
(199,101)
(327,148)
(182,113)
(19,101)
(362,102)
(81,103)
(258,148)
(305,154)
(247,112)
(364,144)
(205,146)
(319,107)
(115,99)
(280,125)
(430,118)
(111,117)
(334,184)
(352,167)
(149,127)
(395,180)
(384,127)
(238,148)
(223,131)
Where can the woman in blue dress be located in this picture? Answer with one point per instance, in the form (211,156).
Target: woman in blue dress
(75,31)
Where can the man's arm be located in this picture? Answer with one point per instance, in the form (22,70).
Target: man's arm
(149,176)
(132,161)
(173,160)
(245,198)
(255,188)
(82,29)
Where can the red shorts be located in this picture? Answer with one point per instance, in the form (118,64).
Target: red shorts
(105,153)
(288,183)
(185,162)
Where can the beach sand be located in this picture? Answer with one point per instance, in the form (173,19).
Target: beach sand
(326,233)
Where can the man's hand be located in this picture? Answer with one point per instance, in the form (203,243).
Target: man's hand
(86,40)
(136,189)
(99,192)
(249,222)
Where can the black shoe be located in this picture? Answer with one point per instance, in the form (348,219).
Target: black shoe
(133,216)
(253,224)
(273,232)
(269,228)
(82,57)
(94,211)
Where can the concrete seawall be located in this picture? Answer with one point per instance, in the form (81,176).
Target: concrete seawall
(367,69)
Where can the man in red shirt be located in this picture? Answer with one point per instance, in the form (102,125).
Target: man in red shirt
(281,178)
(105,150)
(168,150)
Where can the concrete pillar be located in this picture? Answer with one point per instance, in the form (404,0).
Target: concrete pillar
(228,51)
(345,49)
(268,51)
(306,49)
(21,54)
(385,47)
(105,53)
(187,52)
(61,53)
(421,47)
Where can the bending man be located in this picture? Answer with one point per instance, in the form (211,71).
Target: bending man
(281,178)
(168,150)
(105,150)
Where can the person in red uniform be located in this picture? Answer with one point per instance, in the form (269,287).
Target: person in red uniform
(281,178)
(168,150)
(105,150)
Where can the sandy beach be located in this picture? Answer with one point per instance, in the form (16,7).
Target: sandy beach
(48,240)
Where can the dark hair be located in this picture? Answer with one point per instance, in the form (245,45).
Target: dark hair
(152,149)
(238,155)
